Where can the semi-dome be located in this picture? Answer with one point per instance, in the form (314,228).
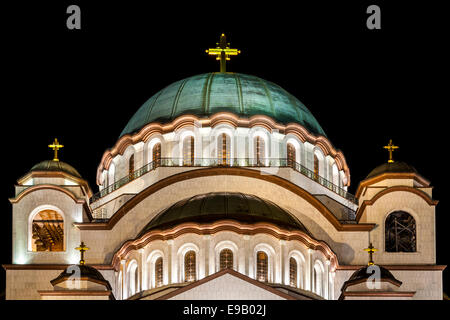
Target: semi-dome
(205,94)
(85,273)
(210,207)
(50,165)
(392,167)
(365,274)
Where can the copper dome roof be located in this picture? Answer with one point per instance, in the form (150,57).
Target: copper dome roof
(205,94)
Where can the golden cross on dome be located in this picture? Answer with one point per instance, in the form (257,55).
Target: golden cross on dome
(390,147)
(223,52)
(55,146)
(370,250)
(82,248)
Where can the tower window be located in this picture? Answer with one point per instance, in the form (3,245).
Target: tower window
(226,259)
(47,231)
(400,232)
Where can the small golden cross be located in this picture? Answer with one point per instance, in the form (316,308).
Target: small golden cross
(223,52)
(370,250)
(82,248)
(390,147)
(55,146)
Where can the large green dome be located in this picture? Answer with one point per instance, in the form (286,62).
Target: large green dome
(205,94)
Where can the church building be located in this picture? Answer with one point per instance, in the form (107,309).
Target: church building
(223,186)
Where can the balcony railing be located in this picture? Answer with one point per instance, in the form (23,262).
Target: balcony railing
(215,162)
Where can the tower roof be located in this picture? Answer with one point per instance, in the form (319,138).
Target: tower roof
(392,167)
(205,94)
(50,165)
(86,273)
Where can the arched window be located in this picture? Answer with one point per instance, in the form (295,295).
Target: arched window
(226,259)
(293,272)
(159,272)
(261,266)
(131,167)
(316,167)
(223,149)
(335,174)
(260,150)
(47,231)
(291,156)
(188,151)
(119,285)
(400,232)
(317,280)
(189,266)
(156,155)
(133,279)
(111,174)
(136,281)
(104,179)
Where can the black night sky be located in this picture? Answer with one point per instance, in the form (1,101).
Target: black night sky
(363,86)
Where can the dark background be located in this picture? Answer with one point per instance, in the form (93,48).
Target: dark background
(364,86)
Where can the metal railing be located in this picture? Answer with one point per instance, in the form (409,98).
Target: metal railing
(217,162)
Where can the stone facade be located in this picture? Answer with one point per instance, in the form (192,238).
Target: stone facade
(321,204)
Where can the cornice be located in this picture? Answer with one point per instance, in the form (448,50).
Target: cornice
(390,175)
(56,174)
(383,192)
(44,187)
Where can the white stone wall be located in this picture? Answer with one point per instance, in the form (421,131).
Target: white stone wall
(24,284)
(347,245)
(424,215)
(427,284)
(71,211)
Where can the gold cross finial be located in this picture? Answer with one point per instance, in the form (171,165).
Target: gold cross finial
(370,250)
(82,248)
(223,52)
(390,147)
(55,146)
